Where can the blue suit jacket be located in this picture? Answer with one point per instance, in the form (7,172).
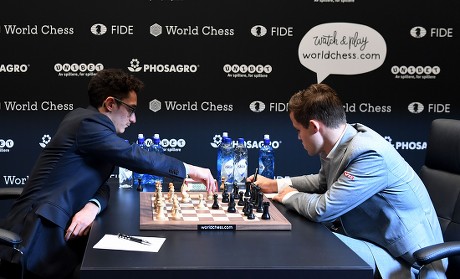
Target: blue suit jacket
(72,169)
(378,197)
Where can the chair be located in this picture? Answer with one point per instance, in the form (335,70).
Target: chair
(441,175)
(8,238)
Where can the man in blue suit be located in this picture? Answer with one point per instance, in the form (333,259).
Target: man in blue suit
(364,183)
(67,187)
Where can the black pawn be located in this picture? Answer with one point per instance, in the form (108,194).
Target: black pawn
(265,214)
(245,207)
(215,205)
(139,185)
(231,204)
(225,196)
(251,215)
(241,199)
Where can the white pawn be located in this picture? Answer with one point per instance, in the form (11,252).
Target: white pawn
(201,202)
(160,212)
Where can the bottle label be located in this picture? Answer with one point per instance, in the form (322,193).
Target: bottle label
(227,170)
(241,170)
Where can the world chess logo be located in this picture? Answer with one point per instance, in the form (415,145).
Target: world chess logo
(156,29)
(98,29)
(135,65)
(155,105)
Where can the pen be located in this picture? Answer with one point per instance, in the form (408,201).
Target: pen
(132,238)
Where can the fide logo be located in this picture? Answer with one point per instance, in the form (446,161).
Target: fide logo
(415,107)
(98,29)
(258,31)
(418,32)
(257,106)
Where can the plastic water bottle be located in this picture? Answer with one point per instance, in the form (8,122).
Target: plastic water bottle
(137,176)
(267,159)
(240,163)
(219,158)
(156,147)
(125,176)
(227,161)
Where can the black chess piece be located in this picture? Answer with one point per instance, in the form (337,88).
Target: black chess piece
(245,207)
(139,185)
(248,189)
(265,214)
(215,205)
(241,199)
(231,204)
(235,190)
(260,200)
(225,196)
(251,215)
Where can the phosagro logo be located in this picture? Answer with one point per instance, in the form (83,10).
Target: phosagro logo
(14,68)
(45,140)
(162,68)
(250,144)
(6,145)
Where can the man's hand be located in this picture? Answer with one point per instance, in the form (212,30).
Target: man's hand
(283,193)
(203,175)
(81,221)
(267,185)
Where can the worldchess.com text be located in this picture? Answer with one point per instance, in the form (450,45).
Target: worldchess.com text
(216,227)
(337,55)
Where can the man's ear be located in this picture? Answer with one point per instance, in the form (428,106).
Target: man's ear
(108,104)
(315,125)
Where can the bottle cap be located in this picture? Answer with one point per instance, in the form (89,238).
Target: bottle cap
(139,136)
(266,136)
(156,136)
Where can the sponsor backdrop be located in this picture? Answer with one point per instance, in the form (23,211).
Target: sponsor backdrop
(214,66)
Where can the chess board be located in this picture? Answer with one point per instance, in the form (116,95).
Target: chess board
(207,218)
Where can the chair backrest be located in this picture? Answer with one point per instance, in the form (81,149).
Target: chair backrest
(441,175)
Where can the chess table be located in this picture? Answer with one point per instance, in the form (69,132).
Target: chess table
(308,250)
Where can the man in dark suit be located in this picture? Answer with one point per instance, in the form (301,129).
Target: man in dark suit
(67,187)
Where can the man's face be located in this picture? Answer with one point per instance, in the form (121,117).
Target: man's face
(308,136)
(123,115)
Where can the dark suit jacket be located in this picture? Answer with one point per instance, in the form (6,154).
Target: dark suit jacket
(72,169)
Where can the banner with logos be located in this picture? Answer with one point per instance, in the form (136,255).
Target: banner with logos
(215,66)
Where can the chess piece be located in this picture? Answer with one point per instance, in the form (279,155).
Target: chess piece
(171,192)
(139,185)
(222,185)
(160,212)
(241,199)
(201,202)
(184,193)
(210,196)
(266,214)
(175,211)
(225,197)
(248,189)
(235,190)
(251,215)
(260,200)
(215,205)
(231,204)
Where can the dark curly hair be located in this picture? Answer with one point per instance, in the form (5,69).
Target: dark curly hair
(320,102)
(112,82)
